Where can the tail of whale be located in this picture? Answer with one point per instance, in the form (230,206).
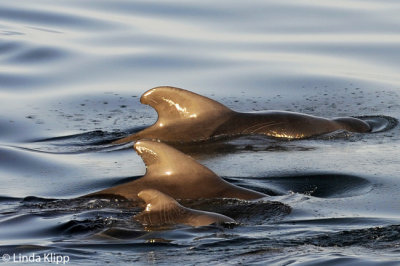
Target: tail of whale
(352,124)
(163,210)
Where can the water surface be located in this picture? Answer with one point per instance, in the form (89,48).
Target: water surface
(72,72)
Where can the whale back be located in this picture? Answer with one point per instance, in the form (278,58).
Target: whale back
(163,210)
(184,116)
(178,175)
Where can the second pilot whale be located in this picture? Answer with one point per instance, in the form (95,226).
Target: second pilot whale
(177,175)
(184,116)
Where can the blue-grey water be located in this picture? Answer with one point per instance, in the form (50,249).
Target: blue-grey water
(71,75)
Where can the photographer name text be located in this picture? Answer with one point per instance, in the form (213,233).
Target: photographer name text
(45,257)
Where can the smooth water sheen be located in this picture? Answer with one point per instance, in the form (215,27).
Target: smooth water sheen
(72,72)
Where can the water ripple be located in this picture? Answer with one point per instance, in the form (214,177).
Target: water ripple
(326,58)
(55,18)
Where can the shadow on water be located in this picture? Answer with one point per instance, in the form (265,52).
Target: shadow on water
(324,185)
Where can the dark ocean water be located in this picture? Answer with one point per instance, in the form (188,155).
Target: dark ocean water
(71,75)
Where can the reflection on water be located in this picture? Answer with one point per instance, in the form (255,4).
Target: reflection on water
(72,72)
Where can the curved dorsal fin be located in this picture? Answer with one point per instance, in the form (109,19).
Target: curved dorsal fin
(180,176)
(161,210)
(176,104)
(157,201)
(183,116)
(163,160)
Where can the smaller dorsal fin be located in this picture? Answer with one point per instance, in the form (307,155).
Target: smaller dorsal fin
(162,210)
(176,104)
(156,200)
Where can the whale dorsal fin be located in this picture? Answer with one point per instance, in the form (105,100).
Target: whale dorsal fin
(161,210)
(163,160)
(157,201)
(180,176)
(174,104)
(183,116)
(175,173)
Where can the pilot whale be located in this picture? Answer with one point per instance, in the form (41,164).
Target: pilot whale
(184,116)
(162,210)
(177,175)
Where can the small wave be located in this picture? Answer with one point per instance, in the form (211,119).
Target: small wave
(50,17)
(5,199)
(247,212)
(350,222)
(371,237)
(380,123)
(98,137)
(37,55)
(92,141)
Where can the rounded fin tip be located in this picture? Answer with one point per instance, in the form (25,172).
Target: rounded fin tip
(147,195)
